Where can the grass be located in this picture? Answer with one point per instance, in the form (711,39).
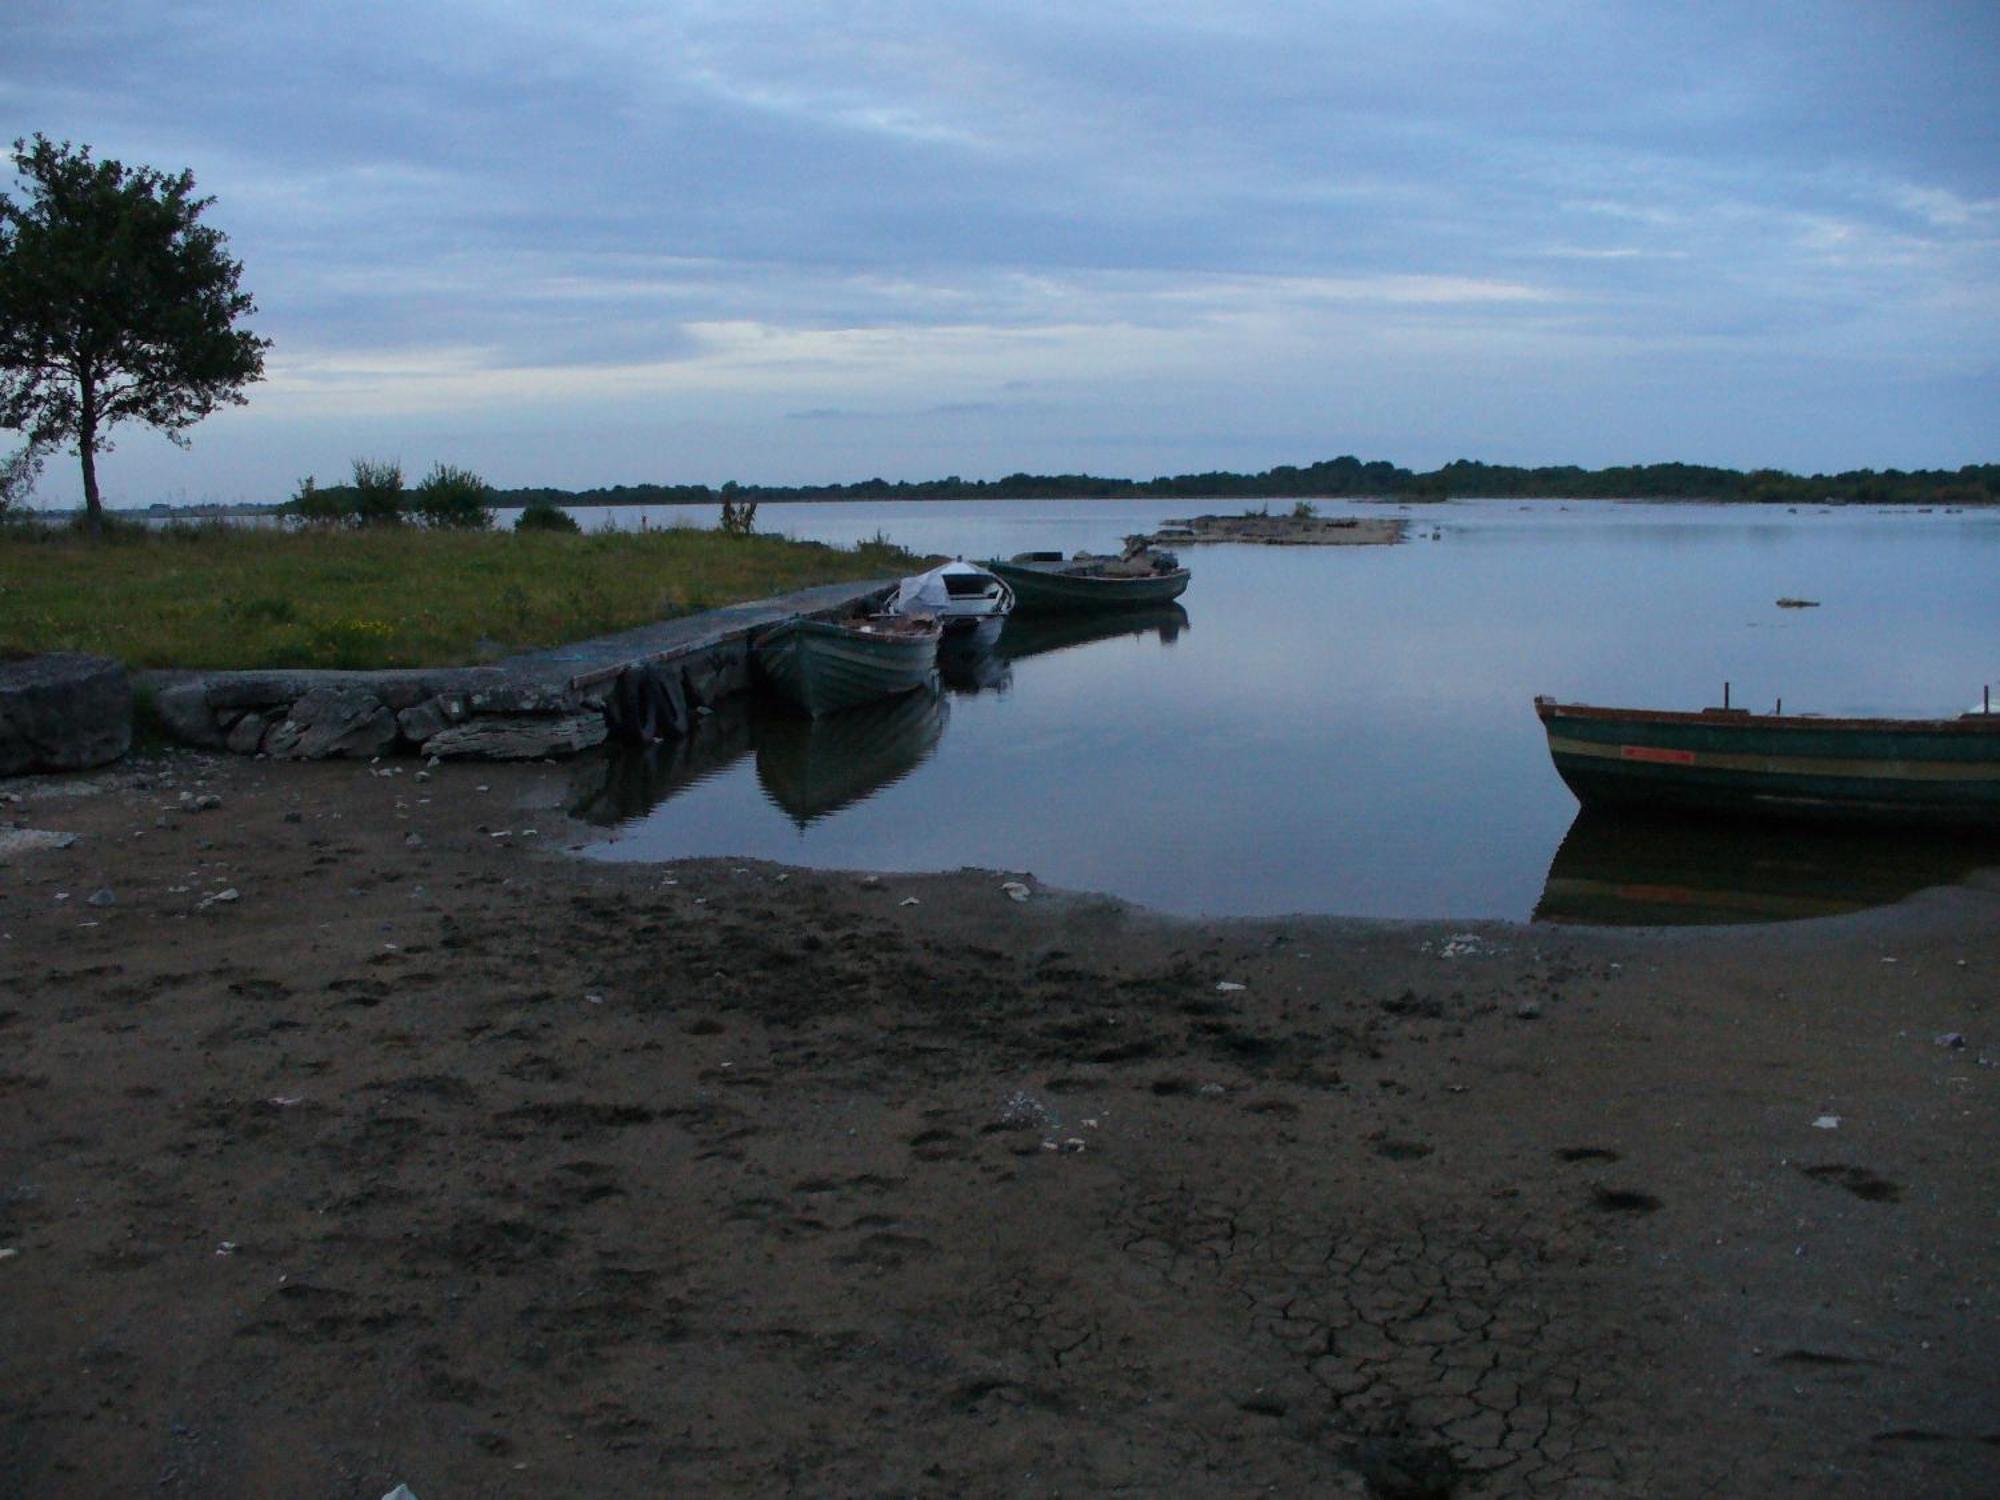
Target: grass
(224,596)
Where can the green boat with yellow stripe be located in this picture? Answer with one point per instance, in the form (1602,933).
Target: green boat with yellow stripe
(1728,761)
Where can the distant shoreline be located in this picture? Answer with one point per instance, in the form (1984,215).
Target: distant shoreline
(507,501)
(1343,479)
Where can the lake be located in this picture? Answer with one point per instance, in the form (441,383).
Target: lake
(1350,730)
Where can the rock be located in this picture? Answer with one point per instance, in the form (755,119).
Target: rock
(184,711)
(506,698)
(518,736)
(432,716)
(102,898)
(63,711)
(1529,1010)
(246,736)
(330,722)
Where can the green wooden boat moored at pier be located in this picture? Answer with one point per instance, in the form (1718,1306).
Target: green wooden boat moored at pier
(821,667)
(1939,772)
(1047,583)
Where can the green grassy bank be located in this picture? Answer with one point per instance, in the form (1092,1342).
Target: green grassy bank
(222,597)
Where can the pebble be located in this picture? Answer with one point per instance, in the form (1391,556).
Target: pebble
(102,898)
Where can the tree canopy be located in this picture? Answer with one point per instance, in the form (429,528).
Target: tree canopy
(117,304)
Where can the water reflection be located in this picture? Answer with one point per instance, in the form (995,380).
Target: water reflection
(608,789)
(812,768)
(1636,871)
(1037,635)
(969,661)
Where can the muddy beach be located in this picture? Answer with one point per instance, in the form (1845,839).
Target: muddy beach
(353,1131)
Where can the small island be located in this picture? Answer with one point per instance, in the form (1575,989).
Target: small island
(1290,530)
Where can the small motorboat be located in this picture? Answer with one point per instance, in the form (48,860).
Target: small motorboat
(961,594)
(1047,582)
(820,666)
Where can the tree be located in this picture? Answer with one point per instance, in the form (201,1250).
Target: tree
(18,472)
(116,304)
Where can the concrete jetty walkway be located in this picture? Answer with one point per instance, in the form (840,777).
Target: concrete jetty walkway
(647,682)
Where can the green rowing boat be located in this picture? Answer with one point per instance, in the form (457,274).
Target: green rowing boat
(1941,772)
(820,666)
(1048,583)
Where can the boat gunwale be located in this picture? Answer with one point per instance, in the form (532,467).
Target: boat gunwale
(1975,722)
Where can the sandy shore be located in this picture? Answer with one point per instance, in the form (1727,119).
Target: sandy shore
(436,1154)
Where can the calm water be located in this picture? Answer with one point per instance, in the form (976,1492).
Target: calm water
(1349,729)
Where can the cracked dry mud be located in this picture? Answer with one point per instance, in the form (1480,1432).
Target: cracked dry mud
(467,1164)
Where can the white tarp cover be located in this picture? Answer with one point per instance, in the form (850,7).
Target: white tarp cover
(928,594)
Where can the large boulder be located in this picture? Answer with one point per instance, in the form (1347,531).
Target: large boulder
(63,712)
(330,722)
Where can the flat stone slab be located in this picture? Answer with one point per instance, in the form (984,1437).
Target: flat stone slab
(63,711)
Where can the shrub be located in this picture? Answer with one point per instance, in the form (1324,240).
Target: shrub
(543,514)
(454,499)
(378,492)
(739,517)
(1304,510)
(317,507)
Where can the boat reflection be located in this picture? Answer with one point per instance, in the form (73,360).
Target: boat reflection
(812,768)
(969,661)
(629,780)
(1037,635)
(1638,871)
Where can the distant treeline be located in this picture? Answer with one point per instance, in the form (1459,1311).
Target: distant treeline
(1335,478)
(1975,484)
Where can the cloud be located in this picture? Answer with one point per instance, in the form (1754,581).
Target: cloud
(1274,218)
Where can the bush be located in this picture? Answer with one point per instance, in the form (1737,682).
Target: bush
(739,517)
(454,499)
(1304,510)
(543,514)
(317,507)
(378,492)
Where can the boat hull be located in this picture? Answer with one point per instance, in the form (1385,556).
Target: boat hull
(1935,772)
(821,668)
(1048,588)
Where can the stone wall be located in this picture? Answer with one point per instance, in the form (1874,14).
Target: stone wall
(492,713)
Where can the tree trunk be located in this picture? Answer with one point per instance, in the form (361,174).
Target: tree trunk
(86,448)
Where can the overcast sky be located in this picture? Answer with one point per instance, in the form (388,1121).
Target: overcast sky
(613,241)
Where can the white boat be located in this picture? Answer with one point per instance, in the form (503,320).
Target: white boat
(961,595)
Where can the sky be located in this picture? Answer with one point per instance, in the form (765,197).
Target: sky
(633,241)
